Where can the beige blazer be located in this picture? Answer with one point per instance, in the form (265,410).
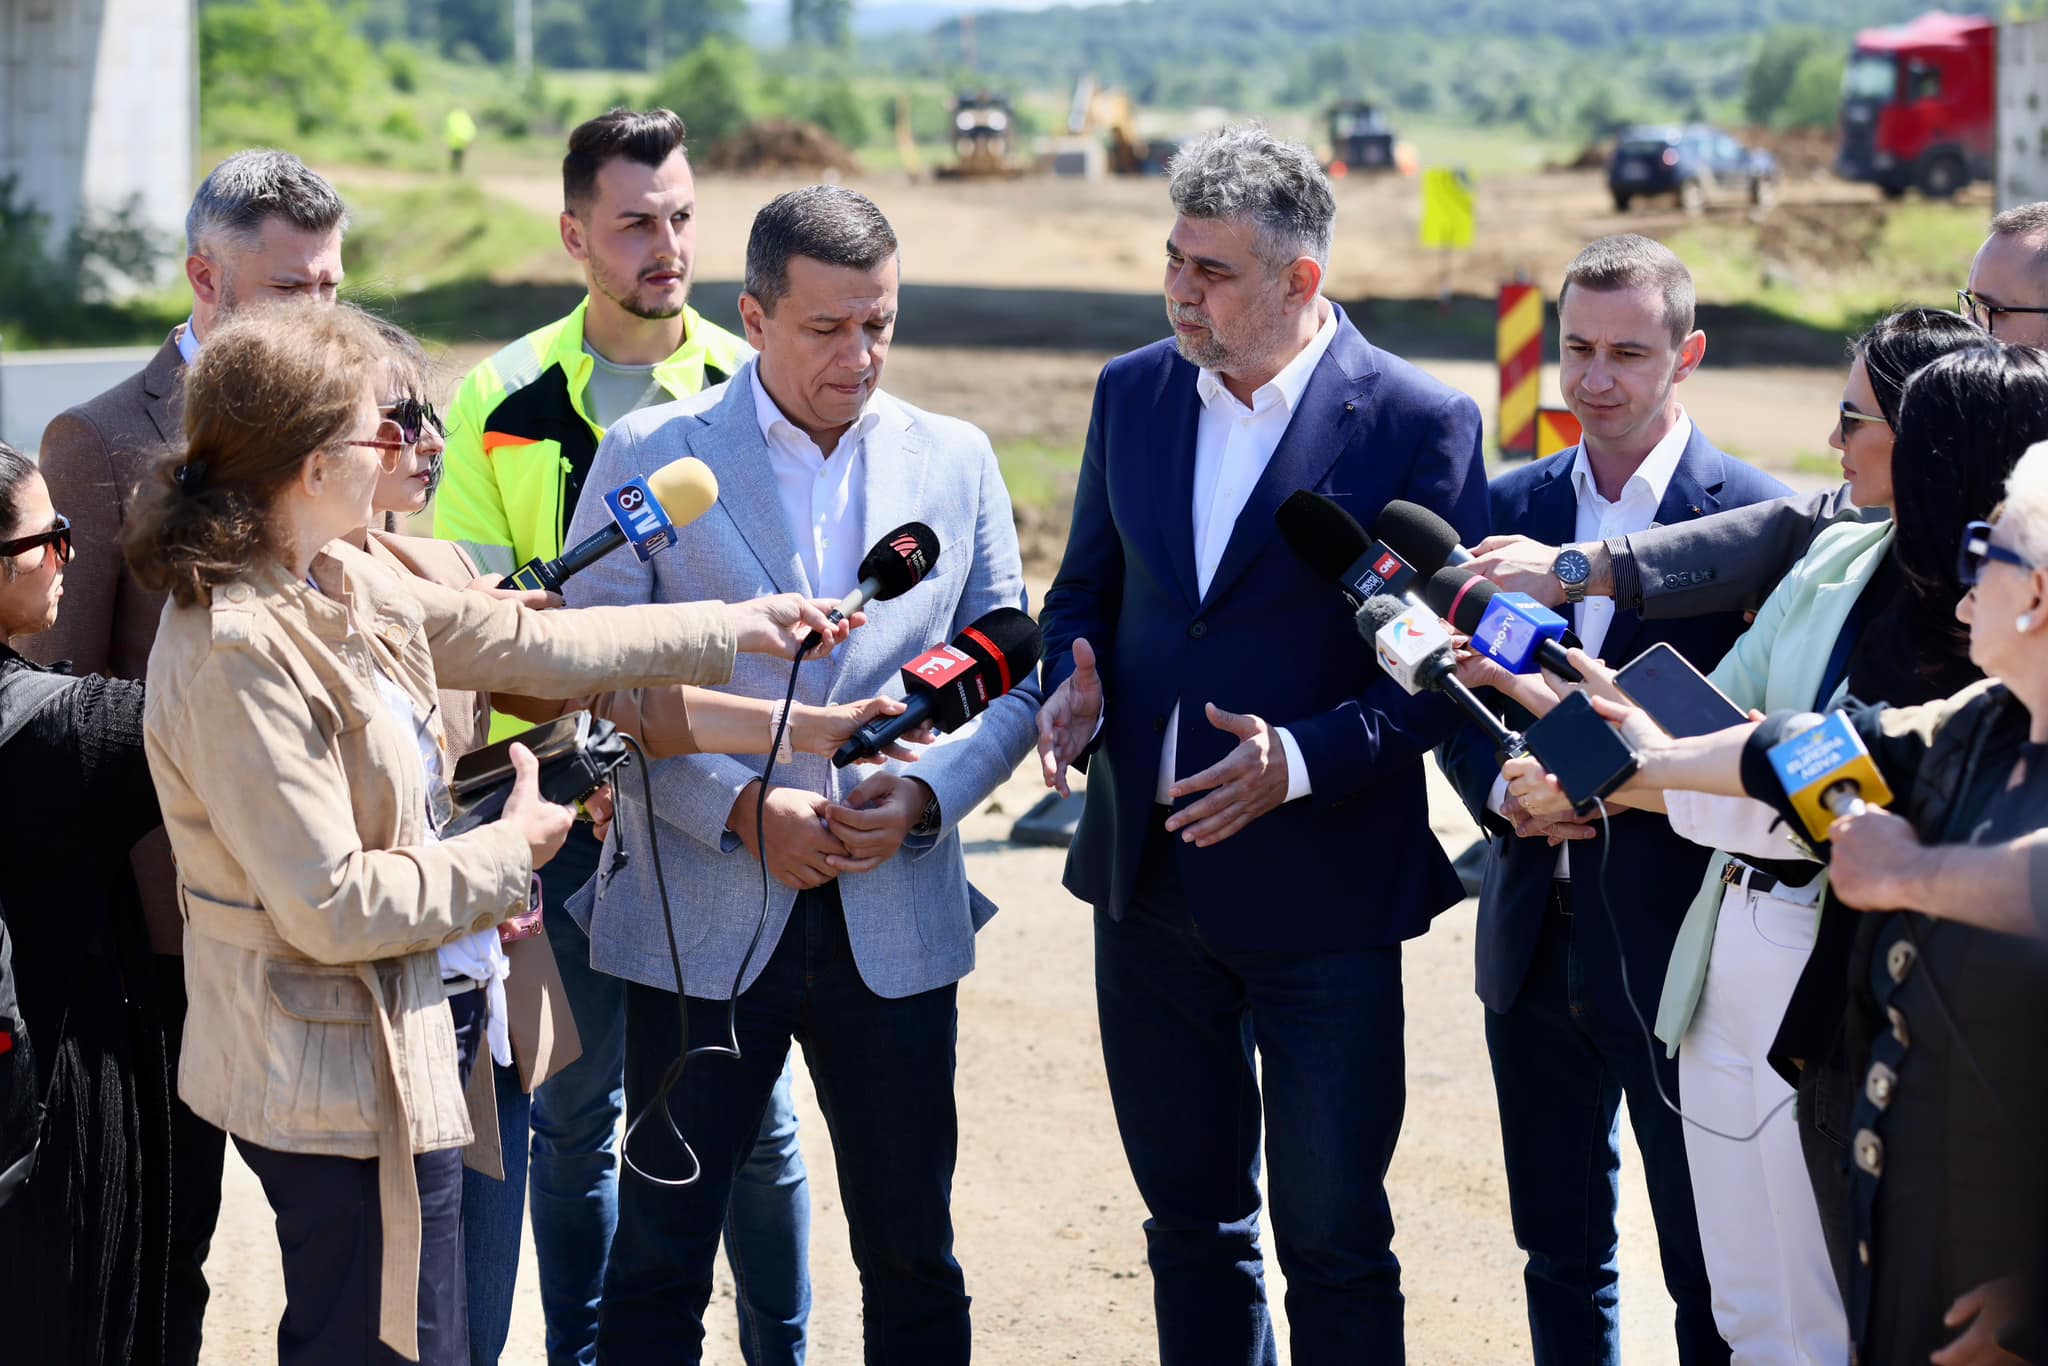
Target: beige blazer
(93,457)
(314,902)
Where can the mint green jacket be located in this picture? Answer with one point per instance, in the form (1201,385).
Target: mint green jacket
(1776,665)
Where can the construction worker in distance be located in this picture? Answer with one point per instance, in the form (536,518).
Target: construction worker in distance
(458,130)
(522,432)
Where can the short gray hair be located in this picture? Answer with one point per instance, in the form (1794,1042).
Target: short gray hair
(828,223)
(1627,260)
(2024,513)
(251,187)
(1280,186)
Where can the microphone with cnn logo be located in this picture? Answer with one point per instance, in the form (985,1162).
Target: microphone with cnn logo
(949,685)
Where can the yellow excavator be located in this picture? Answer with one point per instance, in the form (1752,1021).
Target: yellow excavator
(1096,108)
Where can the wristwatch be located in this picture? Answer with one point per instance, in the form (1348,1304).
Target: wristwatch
(932,819)
(1573,570)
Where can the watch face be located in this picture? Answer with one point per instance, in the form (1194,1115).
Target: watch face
(1572,567)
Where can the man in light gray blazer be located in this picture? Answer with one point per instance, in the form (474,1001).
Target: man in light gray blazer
(870,920)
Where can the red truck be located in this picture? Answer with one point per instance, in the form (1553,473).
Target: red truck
(1919,105)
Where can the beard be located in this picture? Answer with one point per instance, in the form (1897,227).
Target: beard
(628,299)
(1255,336)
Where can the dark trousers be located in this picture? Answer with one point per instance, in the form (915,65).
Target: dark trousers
(1182,1018)
(1560,1070)
(884,1075)
(197,1152)
(329,1229)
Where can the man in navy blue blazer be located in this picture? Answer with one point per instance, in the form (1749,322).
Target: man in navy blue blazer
(1256,839)
(1561,916)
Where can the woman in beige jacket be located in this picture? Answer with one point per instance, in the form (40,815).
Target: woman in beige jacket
(292,702)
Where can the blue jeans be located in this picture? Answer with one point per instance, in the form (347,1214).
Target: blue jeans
(1560,1070)
(1182,1018)
(574,1178)
(884,1075)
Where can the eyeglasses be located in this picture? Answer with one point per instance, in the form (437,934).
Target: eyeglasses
(409,418)
(57,537)
(1854,414)
(1983,312)
(1978,551)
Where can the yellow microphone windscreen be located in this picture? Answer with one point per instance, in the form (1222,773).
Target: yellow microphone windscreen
(685,488)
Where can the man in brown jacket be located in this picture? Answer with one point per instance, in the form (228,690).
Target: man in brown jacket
(262,226)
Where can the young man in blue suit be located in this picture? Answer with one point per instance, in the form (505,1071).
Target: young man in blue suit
(1561,917)
(1256,841)
(871,920)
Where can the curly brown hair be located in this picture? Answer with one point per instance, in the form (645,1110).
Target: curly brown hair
(272,386)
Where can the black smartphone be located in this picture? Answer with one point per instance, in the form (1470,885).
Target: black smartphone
(1586,755)
(1677,696)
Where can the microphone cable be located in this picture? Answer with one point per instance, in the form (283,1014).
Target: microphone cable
(730,1046)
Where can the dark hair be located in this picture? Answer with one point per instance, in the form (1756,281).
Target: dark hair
(1629,261)
(410,365)
(649,139)
(242,193)
(271,386)
(15,469)
(1899,344)
(1964,421)
(828,223)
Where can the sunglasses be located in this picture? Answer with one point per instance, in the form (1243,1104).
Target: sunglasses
(1852,414)
(411,417)
(57,537)
(1978,551)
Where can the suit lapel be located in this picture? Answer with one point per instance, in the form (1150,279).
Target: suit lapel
(1324,422)
(1693,492)
(732,445)
(160,383)
(1176,409)
(1553,511)
(895,461)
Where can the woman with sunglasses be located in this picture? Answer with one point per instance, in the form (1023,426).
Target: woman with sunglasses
(84,1243)
(293,728)
(1945,1023)
(1932,417)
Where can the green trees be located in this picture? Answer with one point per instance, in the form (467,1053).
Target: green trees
(295,55)
(1795,79)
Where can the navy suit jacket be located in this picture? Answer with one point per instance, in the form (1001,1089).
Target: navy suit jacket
(1354,865)
(1652,874)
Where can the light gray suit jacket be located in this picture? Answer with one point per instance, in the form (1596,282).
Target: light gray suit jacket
(911,921)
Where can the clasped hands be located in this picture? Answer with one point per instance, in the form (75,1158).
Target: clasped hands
(1242,786)
(812,839)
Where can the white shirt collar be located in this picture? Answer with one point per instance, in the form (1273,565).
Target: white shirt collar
(1653,476)
(778,429)
(1287,387)
(188,343)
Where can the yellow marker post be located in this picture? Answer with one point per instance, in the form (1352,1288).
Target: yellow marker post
(1447,220)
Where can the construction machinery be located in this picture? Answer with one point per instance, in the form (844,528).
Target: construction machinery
(1360,139)
(1110,113)
(984,138)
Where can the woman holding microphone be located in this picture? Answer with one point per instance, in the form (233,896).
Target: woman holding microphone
(291,712)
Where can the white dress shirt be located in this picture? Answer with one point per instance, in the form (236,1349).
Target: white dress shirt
(1233,446)
(822,499)
(1600,520)
(188,343)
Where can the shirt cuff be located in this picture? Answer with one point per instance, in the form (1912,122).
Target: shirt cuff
(1297,767)
(1497,795)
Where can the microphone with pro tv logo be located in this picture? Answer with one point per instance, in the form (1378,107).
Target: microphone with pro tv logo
(949,685)
(1334,546)
(1414,650)
(645,515)
(1512,629)
(891,568)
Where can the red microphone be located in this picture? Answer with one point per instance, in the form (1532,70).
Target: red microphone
(950,685)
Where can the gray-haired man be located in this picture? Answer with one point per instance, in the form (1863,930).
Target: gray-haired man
(261,227)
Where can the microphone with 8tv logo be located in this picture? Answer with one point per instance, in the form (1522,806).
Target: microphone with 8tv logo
(949,685)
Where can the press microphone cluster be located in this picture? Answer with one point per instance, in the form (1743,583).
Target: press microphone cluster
(1414,650)
(949,685)
(1334,546)
(892,567)
(1512,629)
(645,515)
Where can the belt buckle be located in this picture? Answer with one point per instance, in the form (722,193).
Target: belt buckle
(1732,872)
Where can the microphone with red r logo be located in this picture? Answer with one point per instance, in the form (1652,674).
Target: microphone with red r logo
(950,685)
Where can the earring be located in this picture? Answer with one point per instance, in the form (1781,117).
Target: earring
(2025,622)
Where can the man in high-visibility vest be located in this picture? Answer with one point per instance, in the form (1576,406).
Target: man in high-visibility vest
(521,435)
(458,130)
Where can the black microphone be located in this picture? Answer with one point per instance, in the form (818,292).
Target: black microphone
(1511,628)
(894,565)
(1334,546)
(645,515)
(1413,650)
(950,685)
(1423,539)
